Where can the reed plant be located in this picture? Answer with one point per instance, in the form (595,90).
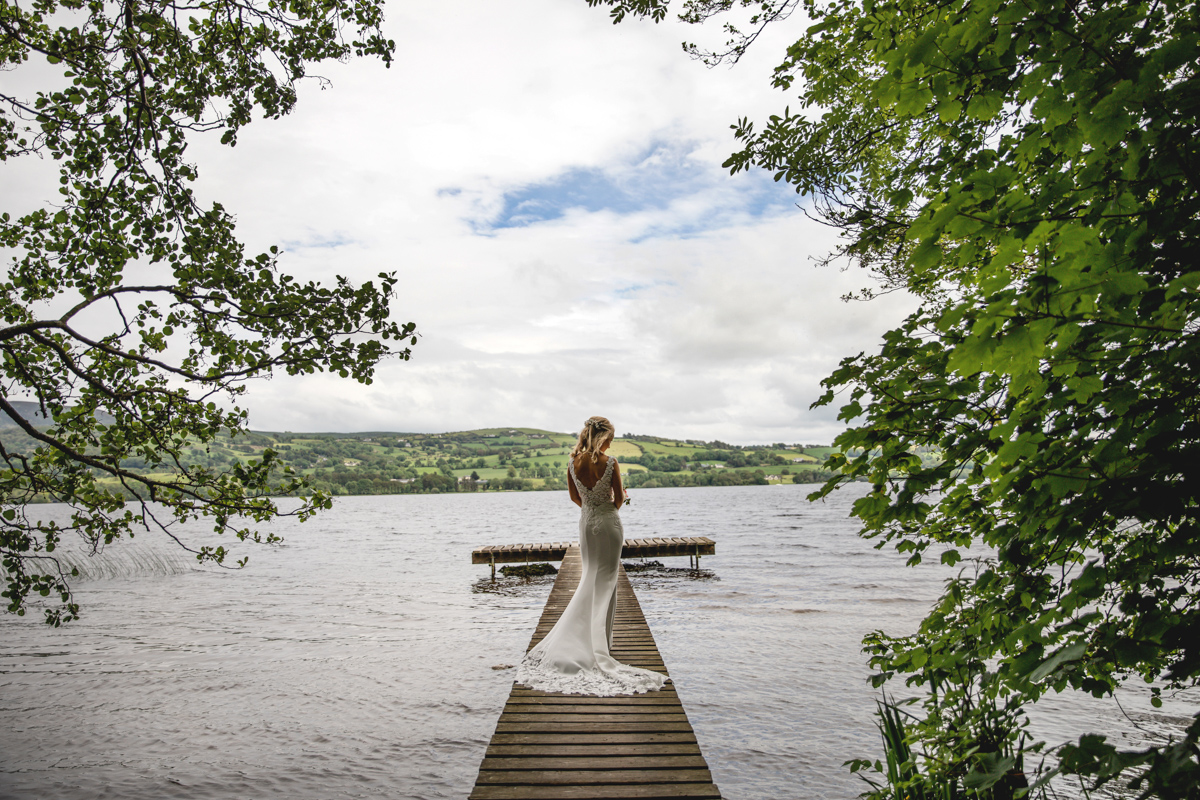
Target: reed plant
(973,774)
(128,561)
(900,774)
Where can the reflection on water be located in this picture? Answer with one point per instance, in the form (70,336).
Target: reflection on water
(359,659)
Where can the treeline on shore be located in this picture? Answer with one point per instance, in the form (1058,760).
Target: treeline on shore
(498,459)
(659,480)
(345,482)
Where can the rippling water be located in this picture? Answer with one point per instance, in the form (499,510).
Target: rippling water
(355,660)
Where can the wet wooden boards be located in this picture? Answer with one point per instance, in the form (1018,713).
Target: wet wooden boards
(633,548)
(551,746)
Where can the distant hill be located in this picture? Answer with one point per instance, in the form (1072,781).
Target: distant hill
(487,459)
(31,411)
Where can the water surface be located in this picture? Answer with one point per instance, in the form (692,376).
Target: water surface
(356,659)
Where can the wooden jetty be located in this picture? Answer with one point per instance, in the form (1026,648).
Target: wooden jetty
(552,746)
(693,546)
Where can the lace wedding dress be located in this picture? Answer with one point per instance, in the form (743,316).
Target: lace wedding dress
(574,657)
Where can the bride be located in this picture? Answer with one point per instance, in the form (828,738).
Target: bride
(574,656)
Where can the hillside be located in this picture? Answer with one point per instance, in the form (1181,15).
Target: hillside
(23,407)
(32,411)
(492,459)
(509,459)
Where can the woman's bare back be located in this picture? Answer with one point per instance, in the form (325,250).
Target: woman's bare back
(590,472)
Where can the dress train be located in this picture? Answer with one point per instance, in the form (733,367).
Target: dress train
(574,657)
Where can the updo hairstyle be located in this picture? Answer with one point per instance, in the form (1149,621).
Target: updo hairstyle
(596,431)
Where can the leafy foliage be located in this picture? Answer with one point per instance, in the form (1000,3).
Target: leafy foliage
(1031,170)
(902,775)
(131,314)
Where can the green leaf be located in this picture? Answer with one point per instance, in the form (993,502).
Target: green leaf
(1063,656)
(990,769)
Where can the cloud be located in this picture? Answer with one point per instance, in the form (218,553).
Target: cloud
(548,189)
(725,336)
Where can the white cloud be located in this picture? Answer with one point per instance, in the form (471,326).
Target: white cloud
(725,335)
(684,303)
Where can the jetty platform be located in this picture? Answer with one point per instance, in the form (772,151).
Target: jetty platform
(552,746)
(659,547)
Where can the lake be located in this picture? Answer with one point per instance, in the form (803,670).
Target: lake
(356,659)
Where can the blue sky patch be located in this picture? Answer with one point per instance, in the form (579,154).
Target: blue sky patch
(321,241)
(656,178)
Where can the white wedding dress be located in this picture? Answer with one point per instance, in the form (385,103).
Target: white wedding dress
(573,658)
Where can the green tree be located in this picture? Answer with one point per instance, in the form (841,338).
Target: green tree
(132,317)
(1031,171)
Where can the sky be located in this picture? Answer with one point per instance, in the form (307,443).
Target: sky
(548,189)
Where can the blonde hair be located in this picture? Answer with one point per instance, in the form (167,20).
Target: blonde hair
(596,431)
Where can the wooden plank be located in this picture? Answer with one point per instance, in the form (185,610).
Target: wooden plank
(700,791)
(605,750)
(556,761)
(594,738)
(641,707)
(651,547)
(647,699)
(523,691)
(599,715)
(584,777)
(504,726)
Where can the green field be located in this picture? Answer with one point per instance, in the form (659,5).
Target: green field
(507,458)
(668,449)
